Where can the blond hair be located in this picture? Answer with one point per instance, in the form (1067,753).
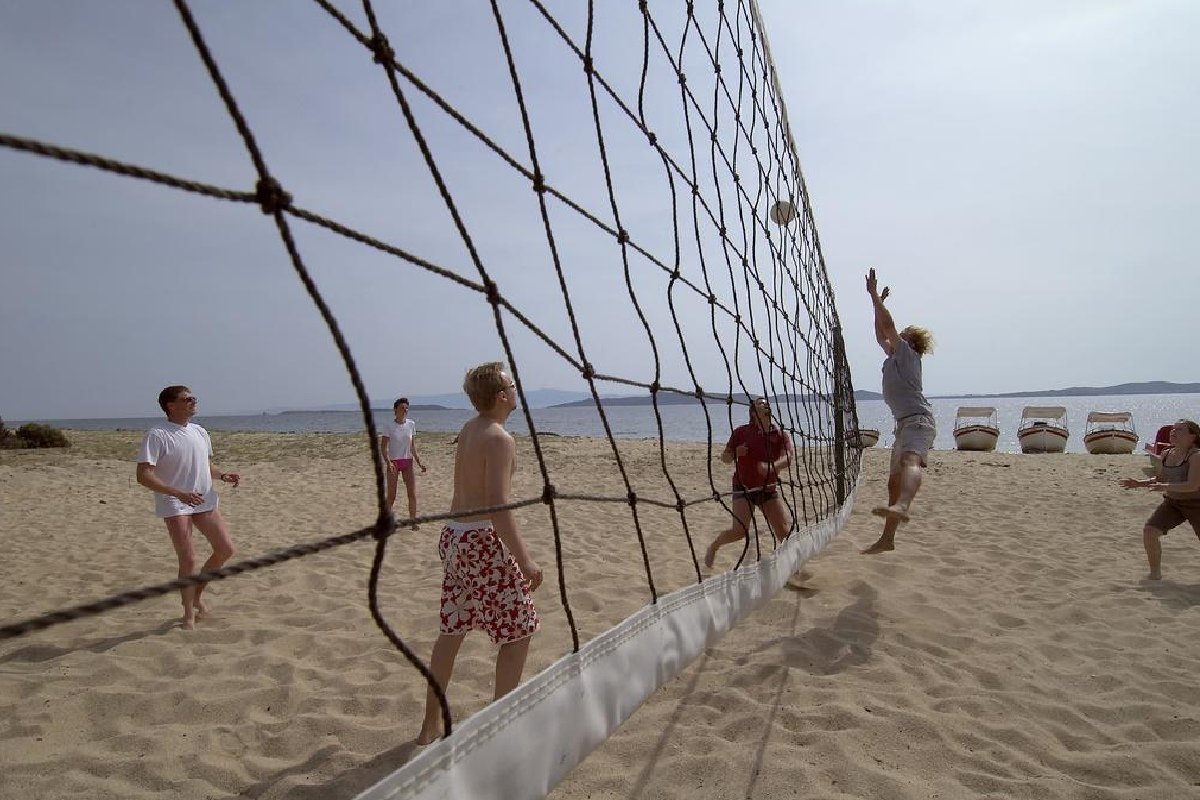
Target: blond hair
(483,383)
(921,339)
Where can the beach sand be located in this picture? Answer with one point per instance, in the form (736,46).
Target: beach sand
(1008,648)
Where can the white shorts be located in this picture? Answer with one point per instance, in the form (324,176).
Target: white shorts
(167,506)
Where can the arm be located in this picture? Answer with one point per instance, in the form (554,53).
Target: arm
(885,326)
(147,477)
(383,451)
(416,457)
(784,462)
(727,455)
(225,477)
(498,464)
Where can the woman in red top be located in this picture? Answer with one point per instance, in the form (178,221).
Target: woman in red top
(762,451)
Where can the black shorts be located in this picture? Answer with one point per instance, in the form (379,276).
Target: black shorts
(1171,513)
(756,497)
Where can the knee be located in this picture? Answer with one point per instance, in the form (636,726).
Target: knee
(187,563)
(1150,534)
(224,550)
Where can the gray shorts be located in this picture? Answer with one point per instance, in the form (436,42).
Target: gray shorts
(914,434)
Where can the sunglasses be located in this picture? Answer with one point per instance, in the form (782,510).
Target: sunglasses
(191,398)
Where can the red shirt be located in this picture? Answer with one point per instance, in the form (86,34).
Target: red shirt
(751,470)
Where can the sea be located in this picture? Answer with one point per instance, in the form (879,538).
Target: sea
(687,422)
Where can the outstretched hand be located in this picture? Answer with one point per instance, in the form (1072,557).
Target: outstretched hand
(873,286)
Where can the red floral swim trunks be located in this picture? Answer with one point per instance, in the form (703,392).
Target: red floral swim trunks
(483,588)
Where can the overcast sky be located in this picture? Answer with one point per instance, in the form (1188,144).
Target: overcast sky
(1020,173)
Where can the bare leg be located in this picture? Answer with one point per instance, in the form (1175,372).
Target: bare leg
(776,512)
(410,486)
(180,529)
(441,664)
(739,530)
(216,530)
(510,663)
(887,541)
(908,474)
(391,487)
(1153,544)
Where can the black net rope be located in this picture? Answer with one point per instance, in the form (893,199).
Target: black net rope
(737,138)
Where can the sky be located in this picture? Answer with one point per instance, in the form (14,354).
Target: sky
(1019,173)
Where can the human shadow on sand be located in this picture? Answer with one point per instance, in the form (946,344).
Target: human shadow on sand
(1179,596)
(37,653)
(347,785)
(828,650)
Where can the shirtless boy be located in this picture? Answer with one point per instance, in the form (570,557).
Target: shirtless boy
(489,575)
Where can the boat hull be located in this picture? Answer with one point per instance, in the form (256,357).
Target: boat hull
(976,437)
(862,438)
(1043,439)
(1112,443)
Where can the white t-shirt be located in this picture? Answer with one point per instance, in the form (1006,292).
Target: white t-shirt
(179,455)
(400,437)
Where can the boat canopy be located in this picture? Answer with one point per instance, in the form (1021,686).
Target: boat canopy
(1109,416)
(976,411)
(1050,412)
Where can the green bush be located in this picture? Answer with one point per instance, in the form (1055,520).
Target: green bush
(6,436)
(34,435)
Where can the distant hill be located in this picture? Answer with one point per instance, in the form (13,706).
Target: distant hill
(1145,387)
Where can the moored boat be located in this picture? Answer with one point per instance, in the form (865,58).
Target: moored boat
(975,428)
(862,438)
(1043,429)
(1110,433)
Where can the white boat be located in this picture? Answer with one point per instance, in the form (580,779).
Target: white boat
(1043,429)
(1110,433)
(975,428)
(862,438)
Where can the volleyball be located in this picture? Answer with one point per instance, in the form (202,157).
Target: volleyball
(783,212)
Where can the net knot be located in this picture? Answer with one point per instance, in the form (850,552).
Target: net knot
(653,138)
(682,79)
(712,299)
(271,196)
(655,387)
(699,392)
(729,400)
(493,292)
(382,48)
(623,236)
(632,498)
(587,64)
(680,505)
(548,493)
(588,371)
(539,182)
(385,525)
(644,6)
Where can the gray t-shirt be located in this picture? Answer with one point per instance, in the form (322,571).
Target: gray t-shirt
(902,382)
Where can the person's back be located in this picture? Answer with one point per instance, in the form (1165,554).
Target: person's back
(477,442)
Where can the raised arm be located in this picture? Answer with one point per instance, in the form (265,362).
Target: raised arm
(885,326)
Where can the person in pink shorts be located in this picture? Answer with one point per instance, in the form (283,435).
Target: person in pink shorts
(399,446)
(489,576)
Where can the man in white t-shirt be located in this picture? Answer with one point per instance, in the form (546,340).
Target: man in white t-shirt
(175,463)
(399,445)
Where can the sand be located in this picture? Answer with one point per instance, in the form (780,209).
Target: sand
(1008,648)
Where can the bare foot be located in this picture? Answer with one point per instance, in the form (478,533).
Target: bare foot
(189,622)
(709,555)
(202,609)
(896,512)
(429,734)
(1154,576)
(882,546)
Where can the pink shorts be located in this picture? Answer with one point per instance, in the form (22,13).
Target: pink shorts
(401,464)
(483,588)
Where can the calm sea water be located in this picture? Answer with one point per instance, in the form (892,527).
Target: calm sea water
(687,423)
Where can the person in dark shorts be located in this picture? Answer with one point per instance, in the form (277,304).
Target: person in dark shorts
(762,451)
(1178,479)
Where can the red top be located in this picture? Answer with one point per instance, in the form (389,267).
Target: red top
(752,470)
